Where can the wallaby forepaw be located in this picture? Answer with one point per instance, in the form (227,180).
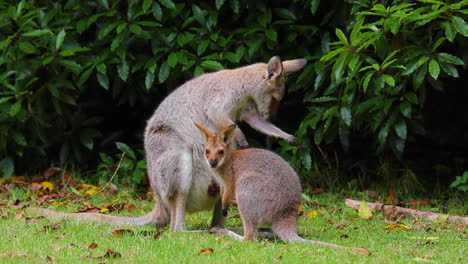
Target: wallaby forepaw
(292,140)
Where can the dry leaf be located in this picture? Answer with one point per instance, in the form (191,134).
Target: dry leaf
(19,216)
(372,194)
(47,186)
(56,226)
(110,254)
(49,259)
(130,207)
(312,214)
(89,210)
(120,232)
(4,188)
(93,246)
(392,197)
(364,211)
(206,251)
(278,256)
(51,172)
(35,186)
(417,203)
(156,236)
(317,190)
(398,226)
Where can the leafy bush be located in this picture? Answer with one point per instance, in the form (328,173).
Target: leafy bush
(371,83)
(461,182)
(67,68)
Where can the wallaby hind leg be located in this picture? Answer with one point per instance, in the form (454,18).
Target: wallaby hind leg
(250,231)
(183,184)
(178,212)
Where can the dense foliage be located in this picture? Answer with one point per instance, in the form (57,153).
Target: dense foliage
(76,76)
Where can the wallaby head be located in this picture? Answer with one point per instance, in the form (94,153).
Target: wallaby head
(217,145)
(272,88)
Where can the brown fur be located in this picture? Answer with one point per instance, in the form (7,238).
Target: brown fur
(266,188)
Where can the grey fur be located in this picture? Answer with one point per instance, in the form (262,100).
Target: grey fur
(177,171)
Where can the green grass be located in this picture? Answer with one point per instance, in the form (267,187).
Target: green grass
(23,241)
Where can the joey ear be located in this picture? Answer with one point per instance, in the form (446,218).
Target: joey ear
(226,133)
(274,68)
(291,66)
(205,131)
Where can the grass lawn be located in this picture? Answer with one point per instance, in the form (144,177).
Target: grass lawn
(25,238)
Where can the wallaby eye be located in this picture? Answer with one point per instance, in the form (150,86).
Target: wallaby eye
(221,152)
(207,151)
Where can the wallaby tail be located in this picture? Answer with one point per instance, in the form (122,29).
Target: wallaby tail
(286,230)
(158,216)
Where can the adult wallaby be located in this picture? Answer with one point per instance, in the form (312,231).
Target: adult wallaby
(178,175)
(266,188)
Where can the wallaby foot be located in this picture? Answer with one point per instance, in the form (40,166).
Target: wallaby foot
(226,232)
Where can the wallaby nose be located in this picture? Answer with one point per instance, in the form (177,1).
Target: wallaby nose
(213,163)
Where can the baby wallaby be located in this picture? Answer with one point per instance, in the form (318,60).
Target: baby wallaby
(267,189)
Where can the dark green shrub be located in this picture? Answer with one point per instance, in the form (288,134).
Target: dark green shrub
(76,76)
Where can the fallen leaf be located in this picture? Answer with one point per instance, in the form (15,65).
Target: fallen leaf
(312,214)
(57,203)
(206,251)
(130,207)
(341,226)
(19,216)
(278,256)
(156,236)
(417,203)
(56,226)
(120,232)
(392,197)
(4,188)
(398,226)
(35,186)
(364,211)
(47,186)
(89,210)
(49,259)
(110,254)
(372,194)
(104,210)
(51,172)
(87,189)
(317,190)
(93,246)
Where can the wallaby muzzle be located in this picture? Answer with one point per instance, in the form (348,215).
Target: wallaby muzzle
(213,163)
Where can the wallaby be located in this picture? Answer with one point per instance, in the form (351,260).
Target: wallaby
(178,175)
(266,188)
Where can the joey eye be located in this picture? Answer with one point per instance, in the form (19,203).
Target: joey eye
(221,152)
(207,151)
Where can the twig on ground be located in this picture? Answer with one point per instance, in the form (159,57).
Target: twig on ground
(391,210)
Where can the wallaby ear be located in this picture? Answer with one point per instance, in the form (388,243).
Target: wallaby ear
(227,132)
(205,131)
(274,68)
(291,66)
